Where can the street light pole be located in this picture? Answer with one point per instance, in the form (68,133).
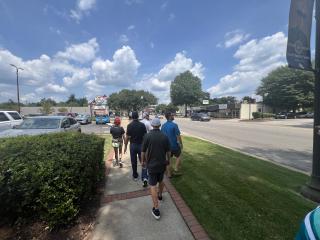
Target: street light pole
(312,189)
(18,95)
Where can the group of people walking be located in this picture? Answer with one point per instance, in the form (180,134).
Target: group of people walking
(154,146)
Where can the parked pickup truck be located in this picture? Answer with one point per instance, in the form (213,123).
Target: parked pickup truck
(9,119)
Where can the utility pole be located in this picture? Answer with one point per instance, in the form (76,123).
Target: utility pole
(312,189)
(17,71)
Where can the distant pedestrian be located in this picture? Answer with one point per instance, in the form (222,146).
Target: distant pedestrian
(135,133)
(146,121)
(117,133)
(171,130)
(155,156)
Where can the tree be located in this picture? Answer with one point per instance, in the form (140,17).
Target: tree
(224,100)
(161,108)
(288,89)
(248,99)
(185,90)
(46,107)
(62,109)
(131,100)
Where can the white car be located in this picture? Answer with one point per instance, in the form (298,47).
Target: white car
(43,125)
(9,119)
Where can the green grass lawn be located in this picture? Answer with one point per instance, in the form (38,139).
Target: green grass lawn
(235,196)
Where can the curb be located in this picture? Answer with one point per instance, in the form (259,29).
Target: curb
(196,229)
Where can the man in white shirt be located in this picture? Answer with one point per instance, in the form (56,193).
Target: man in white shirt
(146,121)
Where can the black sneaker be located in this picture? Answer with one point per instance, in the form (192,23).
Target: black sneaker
(145,183)
(156,213)
(159,197)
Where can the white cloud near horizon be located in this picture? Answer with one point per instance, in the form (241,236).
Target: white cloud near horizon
(257,58)
(83,7)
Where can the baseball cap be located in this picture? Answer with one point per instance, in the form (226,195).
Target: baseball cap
(156,122)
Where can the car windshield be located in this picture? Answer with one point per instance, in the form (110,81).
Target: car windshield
(40,123)
(81,116)
(203,114)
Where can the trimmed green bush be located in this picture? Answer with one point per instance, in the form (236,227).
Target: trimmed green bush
(259,115)
(49,176)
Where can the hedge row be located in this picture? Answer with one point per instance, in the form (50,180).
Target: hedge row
(259,115)
(49,176)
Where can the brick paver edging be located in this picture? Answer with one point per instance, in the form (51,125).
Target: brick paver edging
(196,229)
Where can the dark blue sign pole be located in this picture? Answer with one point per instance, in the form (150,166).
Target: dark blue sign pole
(312,190)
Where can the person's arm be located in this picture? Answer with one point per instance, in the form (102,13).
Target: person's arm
(126,140)
(143,152)
(178,134)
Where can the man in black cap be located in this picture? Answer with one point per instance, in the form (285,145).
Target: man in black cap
(135,133)
(155,156)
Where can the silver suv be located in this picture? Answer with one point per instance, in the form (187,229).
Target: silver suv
(9,119)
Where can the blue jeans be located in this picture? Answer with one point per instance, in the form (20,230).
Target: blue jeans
(135,150)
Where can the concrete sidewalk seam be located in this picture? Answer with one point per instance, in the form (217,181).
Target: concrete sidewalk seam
(194,226)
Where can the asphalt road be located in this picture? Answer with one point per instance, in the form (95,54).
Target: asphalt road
(288,142)
(97,129)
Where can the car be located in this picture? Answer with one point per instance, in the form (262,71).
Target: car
(9,119)
(83,118)
(200,117)
(310,115)
(102,119)
(301,115)
(43,125)
(285,115)
(70,114)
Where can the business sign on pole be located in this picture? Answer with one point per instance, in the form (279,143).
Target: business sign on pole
(300,22)
(205,102)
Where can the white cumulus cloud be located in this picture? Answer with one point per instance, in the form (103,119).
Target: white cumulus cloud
(83,7)
(120,71)
(160,82)
(256,58)
(83,52)
(51,88)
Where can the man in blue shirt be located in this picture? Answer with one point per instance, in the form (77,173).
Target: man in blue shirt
(171,130)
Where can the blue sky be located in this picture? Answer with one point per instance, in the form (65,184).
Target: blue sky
(92,47)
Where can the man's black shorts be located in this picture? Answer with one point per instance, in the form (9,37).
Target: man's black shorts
(154,178)
(176,152)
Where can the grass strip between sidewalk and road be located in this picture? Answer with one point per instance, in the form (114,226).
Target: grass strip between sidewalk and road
(235,196)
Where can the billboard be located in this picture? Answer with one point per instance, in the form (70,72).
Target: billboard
(205,102)
(299,33)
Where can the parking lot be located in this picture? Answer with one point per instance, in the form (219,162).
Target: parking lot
(287,141)
(94,128)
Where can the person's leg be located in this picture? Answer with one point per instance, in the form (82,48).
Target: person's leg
(120,151)
(116,153)
(144,172)
(178,160)
(168,168)
(161,186)
(133,157)
(154,195)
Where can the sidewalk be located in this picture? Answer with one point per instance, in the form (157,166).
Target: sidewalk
(126,211)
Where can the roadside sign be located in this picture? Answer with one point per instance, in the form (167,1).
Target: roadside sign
(300,22)
(205,102)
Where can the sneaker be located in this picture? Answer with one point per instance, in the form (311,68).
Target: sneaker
(160,197)
(156,213)
(145,183)
(135,179)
